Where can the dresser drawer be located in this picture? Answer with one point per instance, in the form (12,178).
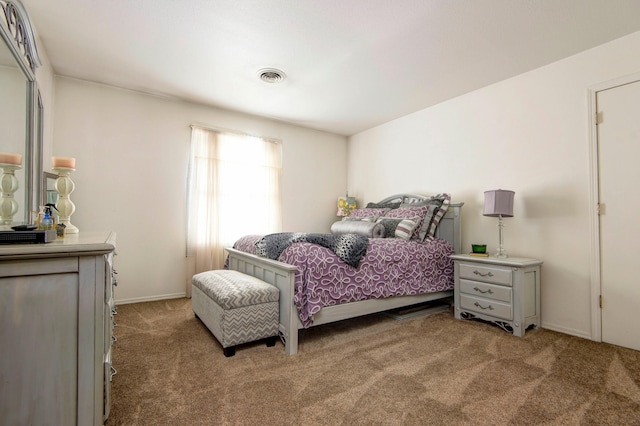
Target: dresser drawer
(486,306)
(487,274)
(488,291)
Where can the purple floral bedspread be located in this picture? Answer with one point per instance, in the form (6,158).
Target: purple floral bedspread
(391,267)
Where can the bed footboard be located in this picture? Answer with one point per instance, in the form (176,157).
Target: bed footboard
(280,275)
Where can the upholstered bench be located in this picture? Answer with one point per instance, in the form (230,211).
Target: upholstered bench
(235,307)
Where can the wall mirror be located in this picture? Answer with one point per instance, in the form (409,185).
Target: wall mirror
(20,109)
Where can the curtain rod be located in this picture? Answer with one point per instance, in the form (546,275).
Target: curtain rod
(224,130)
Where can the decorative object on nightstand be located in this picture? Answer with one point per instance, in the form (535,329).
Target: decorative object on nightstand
(64,166)
(479,250)
(346,205)
(499,203)
(505,292)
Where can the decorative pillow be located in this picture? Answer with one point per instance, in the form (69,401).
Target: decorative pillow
(368,212)
(399,228)
(439,214)
(410,200)
(431,206)
(384,205)
(409,213)
(389,225)
(406,227)
(359,219)
(438,205)
(360,227)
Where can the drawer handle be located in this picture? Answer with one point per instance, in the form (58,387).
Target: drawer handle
(488,274)
(113,339)
(483,291)
(113,372)
(482,307)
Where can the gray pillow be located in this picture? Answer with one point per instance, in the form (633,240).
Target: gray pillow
(384,205)
(389,225)
(360,227)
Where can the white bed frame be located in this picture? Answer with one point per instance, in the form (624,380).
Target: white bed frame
(282,275)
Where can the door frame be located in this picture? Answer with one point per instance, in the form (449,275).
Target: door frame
(594,198)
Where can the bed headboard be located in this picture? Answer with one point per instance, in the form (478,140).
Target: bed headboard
(450,225)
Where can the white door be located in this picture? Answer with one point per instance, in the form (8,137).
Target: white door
(619,197)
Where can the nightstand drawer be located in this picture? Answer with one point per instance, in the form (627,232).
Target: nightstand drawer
(488,291)
(486,306)
(487,274)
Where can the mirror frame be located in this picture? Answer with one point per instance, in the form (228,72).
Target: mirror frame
(17,33)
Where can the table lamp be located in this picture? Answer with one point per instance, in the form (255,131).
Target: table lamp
(499,203)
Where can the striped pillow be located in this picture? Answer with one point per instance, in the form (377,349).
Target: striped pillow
(406,227)
(409,213)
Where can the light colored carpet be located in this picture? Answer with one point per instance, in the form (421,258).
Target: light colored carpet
(372,370)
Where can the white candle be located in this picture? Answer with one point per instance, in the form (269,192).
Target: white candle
(68,162)
(10,158)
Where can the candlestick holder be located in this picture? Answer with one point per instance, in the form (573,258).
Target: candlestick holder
(64,188)
(9,185)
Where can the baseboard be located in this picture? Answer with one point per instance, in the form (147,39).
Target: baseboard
(564,330)
(150,299)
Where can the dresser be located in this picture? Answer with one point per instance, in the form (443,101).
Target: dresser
(56,330)
(505,292)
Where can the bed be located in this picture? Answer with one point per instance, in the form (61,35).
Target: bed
(299,310)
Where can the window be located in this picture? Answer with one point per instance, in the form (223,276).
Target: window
(233,190)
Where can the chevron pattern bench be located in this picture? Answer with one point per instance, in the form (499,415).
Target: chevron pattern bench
(235,307)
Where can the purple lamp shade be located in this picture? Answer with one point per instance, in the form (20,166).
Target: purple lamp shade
(498,202)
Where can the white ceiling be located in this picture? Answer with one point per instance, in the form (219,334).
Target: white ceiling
(351,64)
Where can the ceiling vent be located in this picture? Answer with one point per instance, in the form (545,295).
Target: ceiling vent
(271,75)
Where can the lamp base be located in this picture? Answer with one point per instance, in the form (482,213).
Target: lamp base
(501,253)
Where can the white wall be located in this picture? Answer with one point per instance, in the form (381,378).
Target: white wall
(132,154)
(529,134)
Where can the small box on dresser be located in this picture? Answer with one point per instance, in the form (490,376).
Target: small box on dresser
(503,291)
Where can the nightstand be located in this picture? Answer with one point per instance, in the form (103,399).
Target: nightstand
(505,292)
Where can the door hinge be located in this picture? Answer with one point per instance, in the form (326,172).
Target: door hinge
(600,301)
(597,118)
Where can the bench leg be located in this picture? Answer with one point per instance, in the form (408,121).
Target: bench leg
(271,341)
(230,351)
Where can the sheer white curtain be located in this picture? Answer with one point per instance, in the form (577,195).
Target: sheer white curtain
(233,190)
